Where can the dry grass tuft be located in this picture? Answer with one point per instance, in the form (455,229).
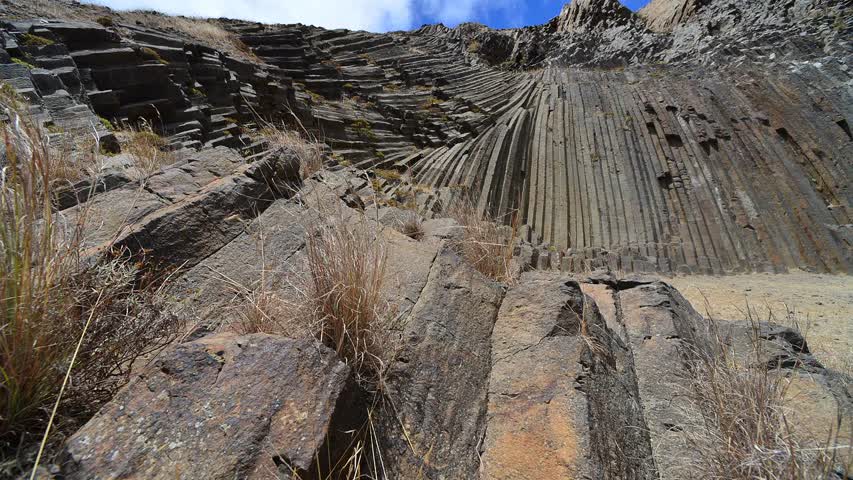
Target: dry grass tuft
(338,298)
(744,432)
(309,151)
(47,294)
(413,227)
(486,244)
(347,267)
(147,147)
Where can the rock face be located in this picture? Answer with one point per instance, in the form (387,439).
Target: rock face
(555,376)
(664,15)
(545,387)
(170,214)
(656,162)
(438,382)
(694,137)
(537,414)
(221,408)
(581,16)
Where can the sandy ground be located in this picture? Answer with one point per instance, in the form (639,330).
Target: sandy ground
(822,305)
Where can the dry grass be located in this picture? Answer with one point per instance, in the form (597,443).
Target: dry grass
(347,268)
(388,174)
(261,310)
(486,244)
(34,264)
(744,431)
(309,150)
(338,298)
(148,149)
(46,296)
(205,31)
(413,227)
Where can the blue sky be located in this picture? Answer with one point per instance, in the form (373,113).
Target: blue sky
(372,15)
(506,14)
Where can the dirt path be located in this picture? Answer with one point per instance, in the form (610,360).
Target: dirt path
(822,304)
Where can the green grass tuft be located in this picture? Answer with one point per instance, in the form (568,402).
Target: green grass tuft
(31,40)
(23,62)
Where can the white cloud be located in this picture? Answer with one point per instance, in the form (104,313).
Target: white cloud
(372,15)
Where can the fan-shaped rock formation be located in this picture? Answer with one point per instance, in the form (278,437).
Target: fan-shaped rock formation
(692,137)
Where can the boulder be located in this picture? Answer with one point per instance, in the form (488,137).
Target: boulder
(223,407)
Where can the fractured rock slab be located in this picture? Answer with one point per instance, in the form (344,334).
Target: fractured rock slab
(438,381)
(223,407)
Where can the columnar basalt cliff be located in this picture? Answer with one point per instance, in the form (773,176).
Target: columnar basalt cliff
(691,137)
(656,160)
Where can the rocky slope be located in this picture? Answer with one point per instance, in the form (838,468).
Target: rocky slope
(693,137)
(538,379)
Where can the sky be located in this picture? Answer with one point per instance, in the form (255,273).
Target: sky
(371,15)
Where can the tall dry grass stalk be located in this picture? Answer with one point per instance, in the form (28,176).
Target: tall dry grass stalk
(309,150)
(33,270)
(486,244)
(744,431)
(47,295)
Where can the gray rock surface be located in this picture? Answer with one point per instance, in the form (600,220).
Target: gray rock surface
(436,388)
(186,211)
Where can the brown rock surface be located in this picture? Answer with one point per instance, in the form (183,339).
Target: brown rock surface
(536,415)
(223,407)
(821,305)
